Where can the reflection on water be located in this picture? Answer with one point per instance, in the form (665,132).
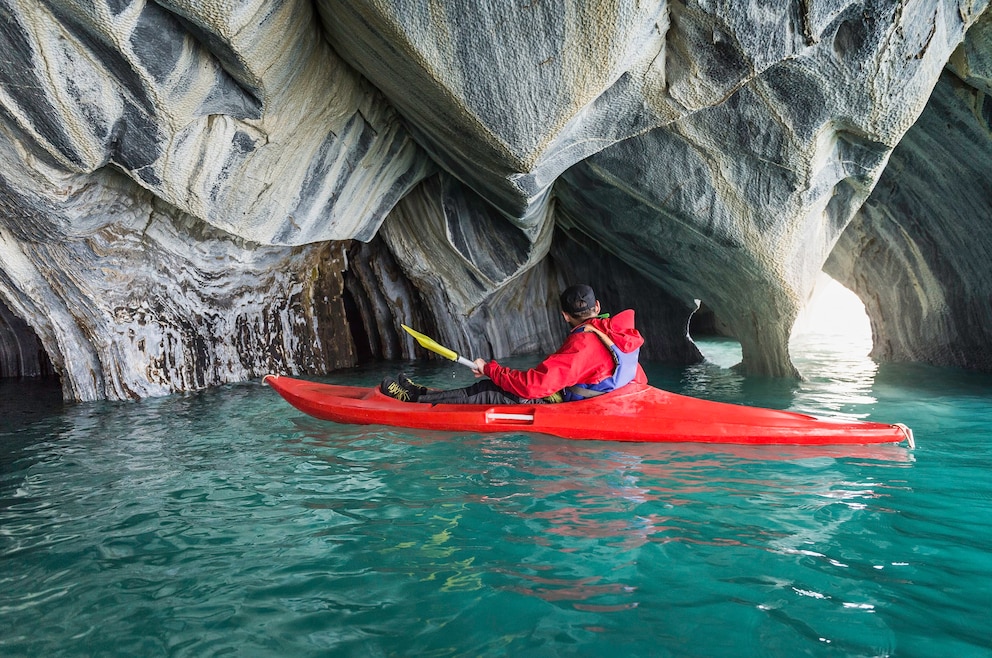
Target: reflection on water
(587,499)
(833,384)
(829,346)
(839,375)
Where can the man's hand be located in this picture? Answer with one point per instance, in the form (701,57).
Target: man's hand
(480,365)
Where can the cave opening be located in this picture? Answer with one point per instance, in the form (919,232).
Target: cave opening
(833,320)
(714,339)
(22,353)
(359,334)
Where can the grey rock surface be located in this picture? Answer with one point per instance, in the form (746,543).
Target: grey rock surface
(144,300)
(918,252)
(194,193)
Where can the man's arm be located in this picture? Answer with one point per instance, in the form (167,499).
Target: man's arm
(576,362)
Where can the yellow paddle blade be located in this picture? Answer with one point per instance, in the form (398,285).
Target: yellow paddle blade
(429,343)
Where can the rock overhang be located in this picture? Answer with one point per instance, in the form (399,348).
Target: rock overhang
(720,152)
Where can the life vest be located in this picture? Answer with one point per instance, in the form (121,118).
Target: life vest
(624,371)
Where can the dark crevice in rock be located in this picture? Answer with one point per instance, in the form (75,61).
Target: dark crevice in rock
(705,322)
(21,351)
(379,297)
(354,312)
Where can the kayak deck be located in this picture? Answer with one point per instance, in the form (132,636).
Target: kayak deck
(636,412)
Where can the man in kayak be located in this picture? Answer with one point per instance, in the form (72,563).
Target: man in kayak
(598,356)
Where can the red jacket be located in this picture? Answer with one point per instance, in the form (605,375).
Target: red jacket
(581,359)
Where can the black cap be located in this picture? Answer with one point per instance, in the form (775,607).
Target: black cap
(577,299)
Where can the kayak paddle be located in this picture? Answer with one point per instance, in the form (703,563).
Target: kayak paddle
(429,343)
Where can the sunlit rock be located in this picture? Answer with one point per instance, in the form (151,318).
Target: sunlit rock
(507,96)
(752,137)
(917,253)
(739,205)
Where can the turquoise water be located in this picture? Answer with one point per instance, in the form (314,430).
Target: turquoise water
(226,522)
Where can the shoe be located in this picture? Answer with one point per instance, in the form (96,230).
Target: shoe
(397,391)
(411,385)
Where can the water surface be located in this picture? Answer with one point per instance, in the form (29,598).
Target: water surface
(226,522)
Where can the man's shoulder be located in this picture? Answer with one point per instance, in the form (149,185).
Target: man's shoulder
(625,317)
(622,321)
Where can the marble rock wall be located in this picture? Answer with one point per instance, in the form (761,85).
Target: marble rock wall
(197,192)
(918,252)
(142,299)
(236,118)
(690,140)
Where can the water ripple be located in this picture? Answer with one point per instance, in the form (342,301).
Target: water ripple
(226,522)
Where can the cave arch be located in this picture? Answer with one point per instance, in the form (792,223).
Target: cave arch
(917,250)
(835,318)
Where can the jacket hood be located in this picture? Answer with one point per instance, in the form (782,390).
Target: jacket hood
(620,329)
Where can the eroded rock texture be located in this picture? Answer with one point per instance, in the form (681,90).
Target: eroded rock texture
(178,179)
(141,299)
(237,113)
(918,252)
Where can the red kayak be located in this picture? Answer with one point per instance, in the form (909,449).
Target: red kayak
(636,412)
